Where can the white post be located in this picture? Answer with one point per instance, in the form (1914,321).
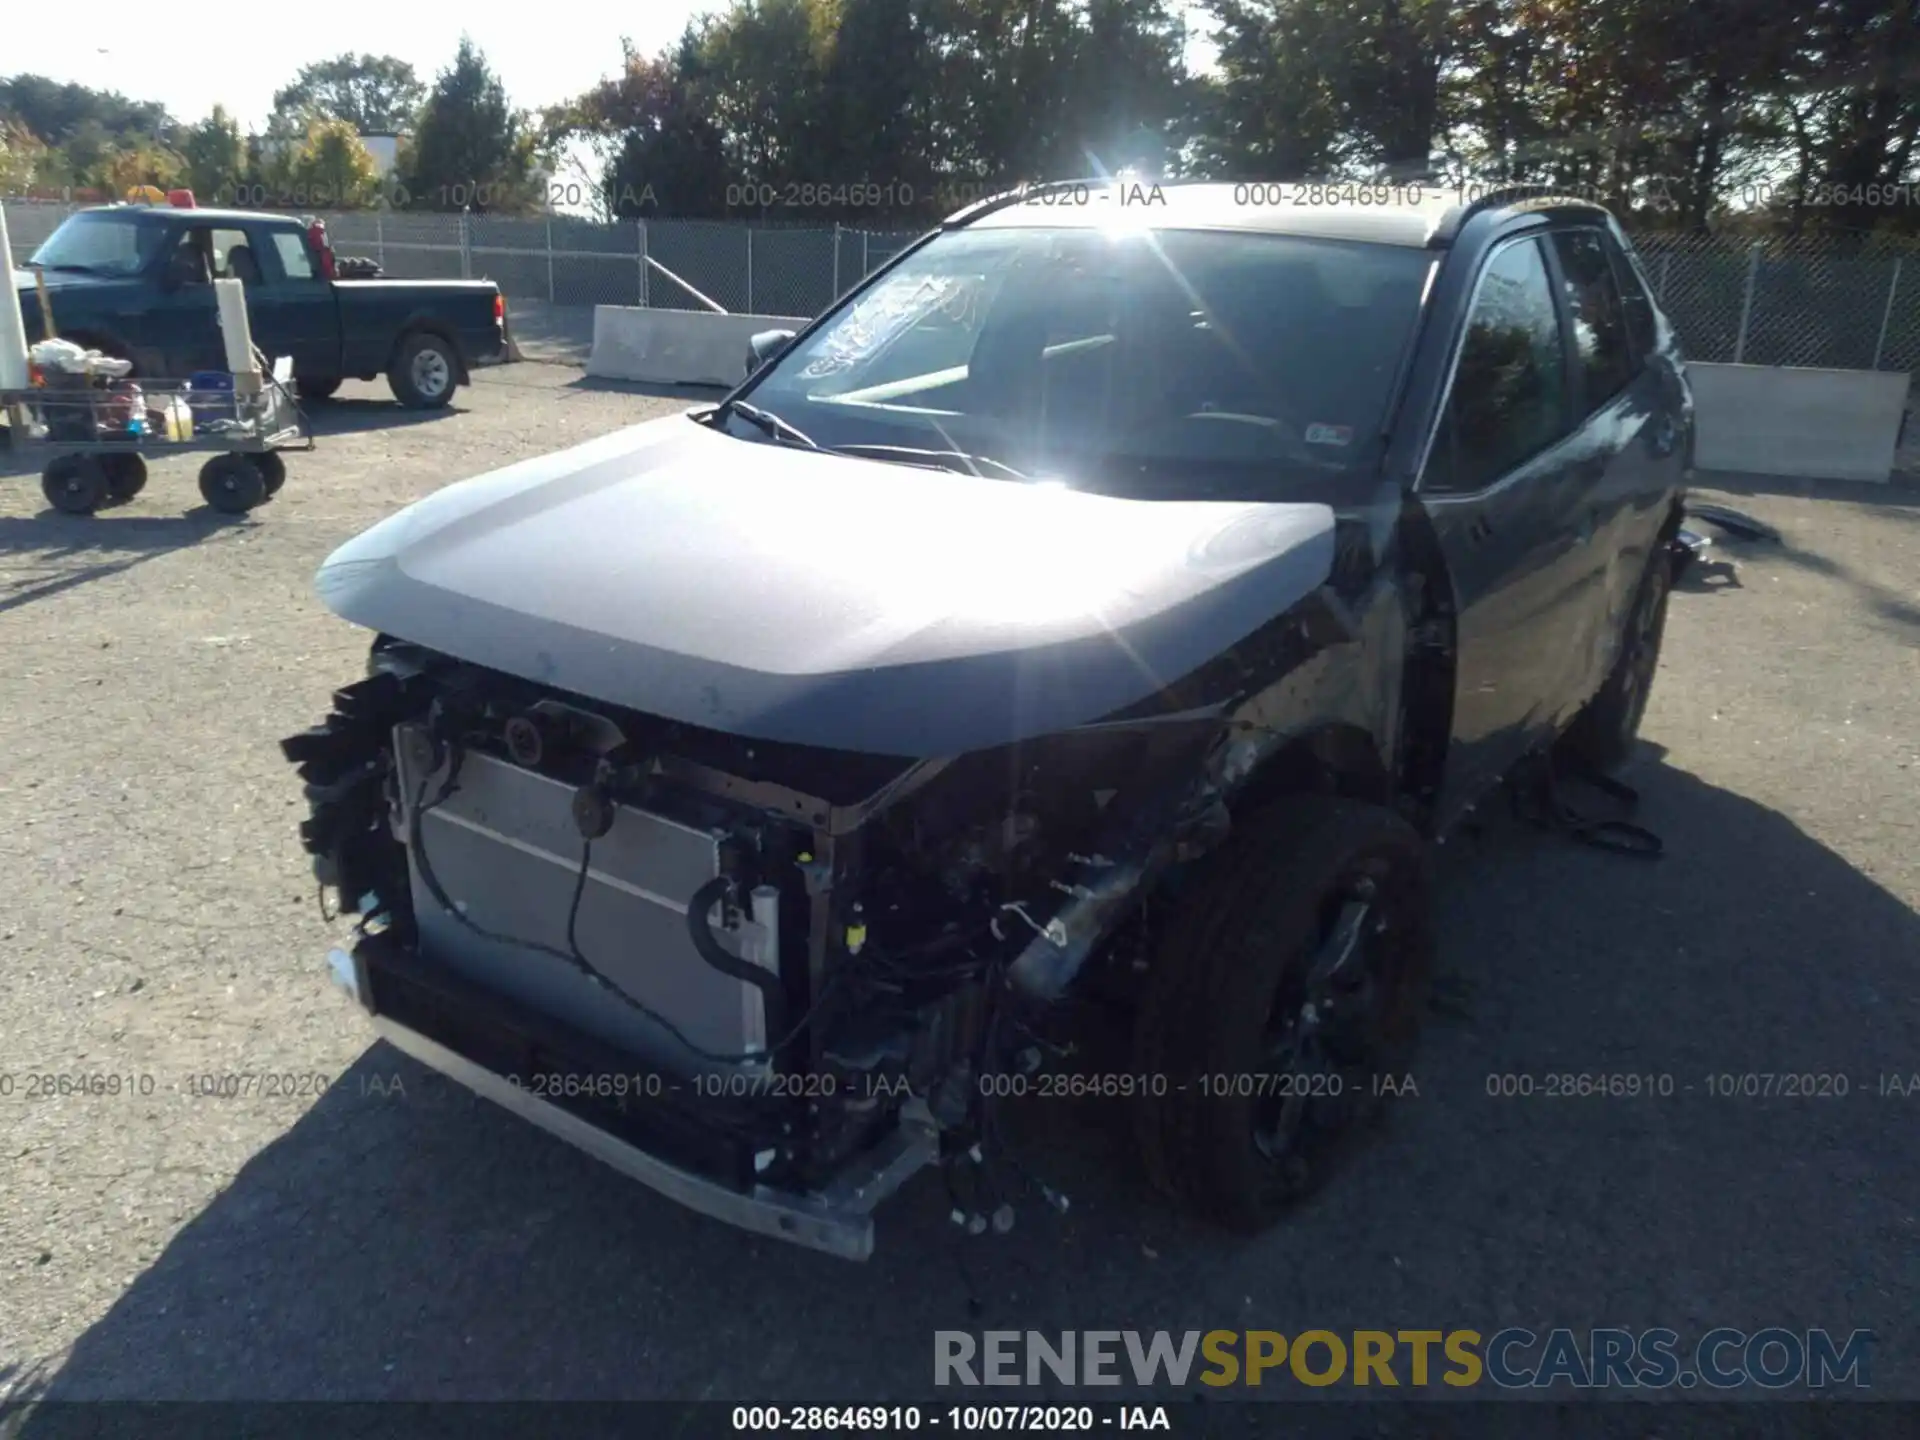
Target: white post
(13,324)
(1746,304)
(836,259)
(466,249)
(864,265)
(749,270)
(380,239)
(550,260)
(643,261)
(1893,288)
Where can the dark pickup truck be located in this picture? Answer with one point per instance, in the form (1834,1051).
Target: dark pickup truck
(132,280)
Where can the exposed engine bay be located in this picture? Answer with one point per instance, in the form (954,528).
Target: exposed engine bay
(783,969)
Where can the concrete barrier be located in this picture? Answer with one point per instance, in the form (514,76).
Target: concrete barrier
(676,347)
(1782,420)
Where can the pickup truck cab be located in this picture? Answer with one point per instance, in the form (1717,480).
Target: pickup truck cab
(135,281)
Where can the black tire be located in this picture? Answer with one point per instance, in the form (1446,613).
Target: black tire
(1605,731)
(316,389)
(76,484)
(1227,996)
(232,484)
(425,372)
(273,470)
(126,477)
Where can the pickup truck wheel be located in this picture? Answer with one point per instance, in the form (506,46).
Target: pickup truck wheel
(424,372)
(232,484)
(312,389)
(1603,734)
(1281,1005)
(76,484)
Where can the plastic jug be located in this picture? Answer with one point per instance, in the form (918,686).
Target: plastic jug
(178,418)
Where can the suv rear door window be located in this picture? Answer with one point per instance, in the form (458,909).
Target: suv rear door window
(1599,315)
(1631,274)
(1509,396)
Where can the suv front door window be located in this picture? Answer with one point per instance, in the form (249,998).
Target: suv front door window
(1506,489)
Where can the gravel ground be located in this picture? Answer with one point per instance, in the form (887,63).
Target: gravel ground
(394,1238)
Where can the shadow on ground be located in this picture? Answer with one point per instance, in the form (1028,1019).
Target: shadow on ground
(66,551)
(403,1240)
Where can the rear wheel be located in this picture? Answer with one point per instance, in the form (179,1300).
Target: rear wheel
(316,389)
(1603,734)
(232,484)
(424,373)
(126,477)
(1284,995)
(76,484)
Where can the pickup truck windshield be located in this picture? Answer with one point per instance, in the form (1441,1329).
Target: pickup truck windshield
(103,242)
(1156,363)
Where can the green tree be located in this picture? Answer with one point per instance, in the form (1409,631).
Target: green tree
(56,112)
(133,165)
(471,149)
(215,156)
(373,94)
(22,157)
(655,148)
(333,167)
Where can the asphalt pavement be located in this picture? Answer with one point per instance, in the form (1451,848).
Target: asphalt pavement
(371,1232)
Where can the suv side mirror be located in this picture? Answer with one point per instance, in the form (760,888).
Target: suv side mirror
(767,345)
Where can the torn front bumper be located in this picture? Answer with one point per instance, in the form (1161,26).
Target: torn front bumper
(468,1036)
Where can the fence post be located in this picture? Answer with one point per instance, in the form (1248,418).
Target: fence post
(642,227)
(749,270)
(836,260)
(550,260)
(1746,303)
(1893,288)
(380,239)
(466,248)
(864,266)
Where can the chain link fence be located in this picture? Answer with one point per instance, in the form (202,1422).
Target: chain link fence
(1845,302)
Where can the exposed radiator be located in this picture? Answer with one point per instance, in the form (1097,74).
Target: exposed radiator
(504,848)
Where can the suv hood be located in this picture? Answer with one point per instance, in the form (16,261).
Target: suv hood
(819,599)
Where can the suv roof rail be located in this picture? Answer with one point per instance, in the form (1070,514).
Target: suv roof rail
(1497,195)
(970,213)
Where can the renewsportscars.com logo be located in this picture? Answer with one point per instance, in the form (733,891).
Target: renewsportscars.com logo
(1510,1359)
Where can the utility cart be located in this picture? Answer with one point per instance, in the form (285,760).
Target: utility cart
(98,431)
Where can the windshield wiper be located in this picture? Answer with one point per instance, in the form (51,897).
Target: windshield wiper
(768,424)
(957,460)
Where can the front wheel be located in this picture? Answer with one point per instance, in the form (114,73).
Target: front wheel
(273,470)
(76,484)
(424,373)
(1603,734)
(1281,1006)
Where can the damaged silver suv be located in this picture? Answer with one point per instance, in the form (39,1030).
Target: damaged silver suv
(736,795)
